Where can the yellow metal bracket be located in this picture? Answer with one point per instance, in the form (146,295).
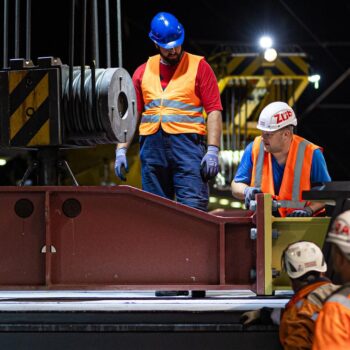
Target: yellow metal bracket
(278,234)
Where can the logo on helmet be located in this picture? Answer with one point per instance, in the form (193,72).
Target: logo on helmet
(282,116)
(310,264)
(341,228)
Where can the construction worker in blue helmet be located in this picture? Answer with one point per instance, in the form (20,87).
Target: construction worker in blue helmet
(179,110)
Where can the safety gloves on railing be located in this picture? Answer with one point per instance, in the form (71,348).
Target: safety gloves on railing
(305,212)
(249,195)
(210,163)
(121,163)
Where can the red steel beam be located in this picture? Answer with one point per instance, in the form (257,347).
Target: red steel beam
(121,238)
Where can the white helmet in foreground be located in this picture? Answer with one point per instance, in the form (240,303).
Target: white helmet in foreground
(302,257)
(275,116)
(340,232)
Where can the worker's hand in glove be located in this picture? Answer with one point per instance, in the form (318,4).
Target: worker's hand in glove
(262,316)
(249,194)
(121,163)
(305,212)
(250,317)
(210,163)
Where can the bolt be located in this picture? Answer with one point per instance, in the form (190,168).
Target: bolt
(275,205)
(252,205)
(275,234)
(252,274)
(275,273)
(253,233)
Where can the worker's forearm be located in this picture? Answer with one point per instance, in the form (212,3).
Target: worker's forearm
(316,206)
(238,189)
(214,125)
(127,144)
(124,145)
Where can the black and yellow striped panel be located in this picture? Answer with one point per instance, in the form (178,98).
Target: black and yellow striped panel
(256,65)
(29,123)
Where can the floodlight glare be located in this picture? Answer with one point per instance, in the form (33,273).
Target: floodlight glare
(224,201)
(315,79)
(265,42)
(237,205)
(270,55)
(213,199)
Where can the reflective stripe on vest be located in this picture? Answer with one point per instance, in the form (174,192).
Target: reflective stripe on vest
(263,158)
(176,108)
(172,118)
(259,166)
(299,304)
(173,104)
(314,316)
(341,299)
(304,292)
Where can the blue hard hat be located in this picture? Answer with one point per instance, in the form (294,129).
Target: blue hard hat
(166,31)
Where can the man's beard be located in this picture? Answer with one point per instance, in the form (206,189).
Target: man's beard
(172,61)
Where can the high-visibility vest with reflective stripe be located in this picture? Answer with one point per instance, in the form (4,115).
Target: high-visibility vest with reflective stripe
(298,318)
(176,108)
(296,176)
(332,329)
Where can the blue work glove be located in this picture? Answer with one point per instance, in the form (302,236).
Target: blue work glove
(121,163)
(249,195)
(305,212)
(210,163)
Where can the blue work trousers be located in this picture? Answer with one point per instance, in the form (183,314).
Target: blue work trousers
(170,167)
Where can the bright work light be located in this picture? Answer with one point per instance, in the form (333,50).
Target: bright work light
(265,42)
(315,79)
(270,55)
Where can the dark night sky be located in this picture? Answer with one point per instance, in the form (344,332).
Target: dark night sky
(319,28)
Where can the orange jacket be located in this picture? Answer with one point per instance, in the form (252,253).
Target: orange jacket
(176,108)
(296,176)
(298,318)
(332,330)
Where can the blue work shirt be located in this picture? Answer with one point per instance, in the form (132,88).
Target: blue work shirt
(319,171)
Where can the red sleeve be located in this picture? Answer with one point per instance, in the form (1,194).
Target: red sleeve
(137,79)
(207,88)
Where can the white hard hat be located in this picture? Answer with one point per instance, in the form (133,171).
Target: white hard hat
(275,116)
(340,232)
(302,257)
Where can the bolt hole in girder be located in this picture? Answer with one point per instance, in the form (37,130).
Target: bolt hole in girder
(71,207)
(122,105)
(24,208)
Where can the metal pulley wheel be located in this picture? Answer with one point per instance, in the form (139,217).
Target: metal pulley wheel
(117,99)
(100,113)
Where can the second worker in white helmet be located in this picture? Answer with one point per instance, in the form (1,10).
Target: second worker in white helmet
(281,163)
(305,266)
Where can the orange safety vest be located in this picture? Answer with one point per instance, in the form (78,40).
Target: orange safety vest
(177,109)
(298,319)
(332,330)
(296,176)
